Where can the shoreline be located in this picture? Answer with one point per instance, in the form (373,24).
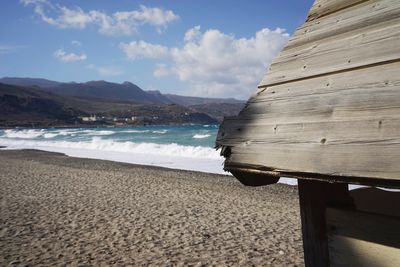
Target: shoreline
(283,180)
(76,211)
(74,126)
(107,161)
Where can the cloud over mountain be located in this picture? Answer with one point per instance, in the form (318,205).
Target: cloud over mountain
(212,62)
(141,49)
(63,56)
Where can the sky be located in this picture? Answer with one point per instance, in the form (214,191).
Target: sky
(203,48)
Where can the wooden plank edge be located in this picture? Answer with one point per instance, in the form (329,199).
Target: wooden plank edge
(343,220)
(316,12)
(263,83)
(269,173)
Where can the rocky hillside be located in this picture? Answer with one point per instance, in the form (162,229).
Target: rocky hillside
(27,106)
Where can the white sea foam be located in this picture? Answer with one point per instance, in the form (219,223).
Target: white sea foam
(23,134)
(165,155)
(50,135)
(135,131)
(201,136)
(173,155)
(160,131)
(68,132)
(103,132)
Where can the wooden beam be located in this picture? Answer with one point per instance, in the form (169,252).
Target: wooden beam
(346,124)
(314,197)
(362,239)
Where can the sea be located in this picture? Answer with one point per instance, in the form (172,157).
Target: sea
(186,147)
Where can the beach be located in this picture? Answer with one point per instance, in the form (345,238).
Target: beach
(58,210)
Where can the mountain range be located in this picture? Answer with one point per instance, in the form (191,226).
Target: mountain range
(35,101)
(125,91)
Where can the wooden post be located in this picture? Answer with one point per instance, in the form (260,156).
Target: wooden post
(314,197)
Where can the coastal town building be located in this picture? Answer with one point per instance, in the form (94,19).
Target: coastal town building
(90,118)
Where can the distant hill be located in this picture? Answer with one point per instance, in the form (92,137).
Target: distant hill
(30,106)
(114,91)
(219,110)
(26,107)
(101,89)
(29,82)
(46,102)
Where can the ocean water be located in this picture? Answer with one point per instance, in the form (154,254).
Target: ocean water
(187,147)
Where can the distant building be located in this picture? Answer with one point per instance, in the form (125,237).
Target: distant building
(90,118)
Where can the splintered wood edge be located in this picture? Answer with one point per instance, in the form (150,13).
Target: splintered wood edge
(272,174)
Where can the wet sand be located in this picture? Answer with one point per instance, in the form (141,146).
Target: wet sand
(57,210)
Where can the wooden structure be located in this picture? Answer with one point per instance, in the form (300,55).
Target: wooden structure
(328,113)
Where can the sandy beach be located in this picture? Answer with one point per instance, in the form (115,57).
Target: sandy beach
(62,211)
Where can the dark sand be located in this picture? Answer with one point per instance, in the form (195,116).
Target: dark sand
(57,210)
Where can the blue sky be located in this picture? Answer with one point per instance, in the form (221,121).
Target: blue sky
(204,48)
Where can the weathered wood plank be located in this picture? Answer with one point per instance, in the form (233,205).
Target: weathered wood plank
(364,47)
(359,160)
(320,124)
(346,251)
(380,76)
(371,93)
(358,37)
(347,20)
(362,239)
(367,99)
(361,103)
(340,133)
(325,7)
(314,196)
(337,116)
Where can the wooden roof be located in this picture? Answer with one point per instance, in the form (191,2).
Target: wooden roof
(329,105)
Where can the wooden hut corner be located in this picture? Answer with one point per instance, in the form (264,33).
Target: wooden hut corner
(328,114)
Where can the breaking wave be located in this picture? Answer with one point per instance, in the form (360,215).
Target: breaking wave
(200,136)
(98,144)
(178,147)
(24,134)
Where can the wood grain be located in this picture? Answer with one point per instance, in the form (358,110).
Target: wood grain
(346,124)
(362,239)
(362,47)
(340,115)
(314,196)
(347,20)
(325,7)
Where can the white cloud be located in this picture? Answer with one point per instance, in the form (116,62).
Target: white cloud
(218,64)
(73,18)
(135,50)
(107,71)
(63,56)
(33,2)
(147,15)
(193,34)
(118,23)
